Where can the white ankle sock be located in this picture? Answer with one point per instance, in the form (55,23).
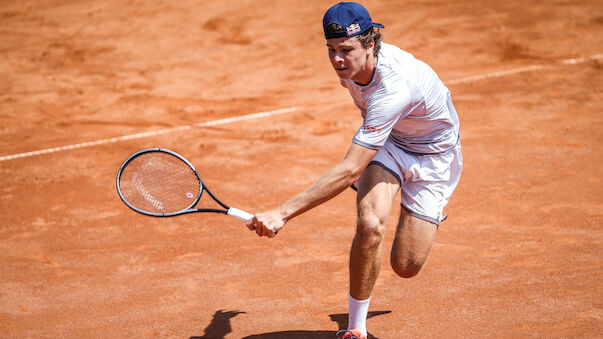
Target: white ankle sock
(358,314)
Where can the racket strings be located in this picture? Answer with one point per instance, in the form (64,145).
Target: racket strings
(159,182)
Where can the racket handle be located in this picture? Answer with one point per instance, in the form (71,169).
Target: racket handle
(241,215)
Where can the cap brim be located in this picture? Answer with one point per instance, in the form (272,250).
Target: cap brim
(378,25)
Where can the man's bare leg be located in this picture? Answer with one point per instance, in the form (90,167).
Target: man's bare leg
(376,192)
(412,244)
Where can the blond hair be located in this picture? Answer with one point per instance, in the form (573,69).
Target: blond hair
(365,37)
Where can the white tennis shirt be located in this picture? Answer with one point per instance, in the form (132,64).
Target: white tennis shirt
(405,103)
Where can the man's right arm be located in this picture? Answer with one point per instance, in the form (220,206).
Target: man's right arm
(333,182)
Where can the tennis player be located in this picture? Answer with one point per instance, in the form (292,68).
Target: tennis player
(408,142)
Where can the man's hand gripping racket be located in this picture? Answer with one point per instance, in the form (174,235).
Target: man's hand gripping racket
(161,183)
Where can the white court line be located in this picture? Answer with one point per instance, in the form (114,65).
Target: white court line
(495,74)
(581,60)
(149,134)
(281,111)
(522,70)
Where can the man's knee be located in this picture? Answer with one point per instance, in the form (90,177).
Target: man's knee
(412,244)
(407,266)
(369,231)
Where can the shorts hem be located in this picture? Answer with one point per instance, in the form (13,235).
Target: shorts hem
(374,162)
(421,216)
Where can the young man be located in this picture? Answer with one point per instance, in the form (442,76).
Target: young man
(408,142)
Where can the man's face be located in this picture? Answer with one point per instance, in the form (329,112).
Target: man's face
(349,59)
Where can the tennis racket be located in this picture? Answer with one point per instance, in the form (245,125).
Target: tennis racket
(161,183)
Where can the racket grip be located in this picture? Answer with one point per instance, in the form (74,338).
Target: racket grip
(241,215)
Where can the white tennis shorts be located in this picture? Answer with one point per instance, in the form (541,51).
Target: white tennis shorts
(426,181)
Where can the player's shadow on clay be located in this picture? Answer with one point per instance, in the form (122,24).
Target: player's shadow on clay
(220,327)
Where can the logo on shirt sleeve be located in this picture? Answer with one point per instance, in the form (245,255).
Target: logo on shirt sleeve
(371,129)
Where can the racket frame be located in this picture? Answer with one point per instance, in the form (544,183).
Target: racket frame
(189,209)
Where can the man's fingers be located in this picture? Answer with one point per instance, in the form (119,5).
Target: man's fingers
(260,230)
(251,224)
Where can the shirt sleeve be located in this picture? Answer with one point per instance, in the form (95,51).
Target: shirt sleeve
(384,110)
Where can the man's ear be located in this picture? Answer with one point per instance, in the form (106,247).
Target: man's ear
(370,47)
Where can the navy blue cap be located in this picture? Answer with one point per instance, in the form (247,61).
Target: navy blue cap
(352,16)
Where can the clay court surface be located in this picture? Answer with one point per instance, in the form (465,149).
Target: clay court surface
(520,255)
